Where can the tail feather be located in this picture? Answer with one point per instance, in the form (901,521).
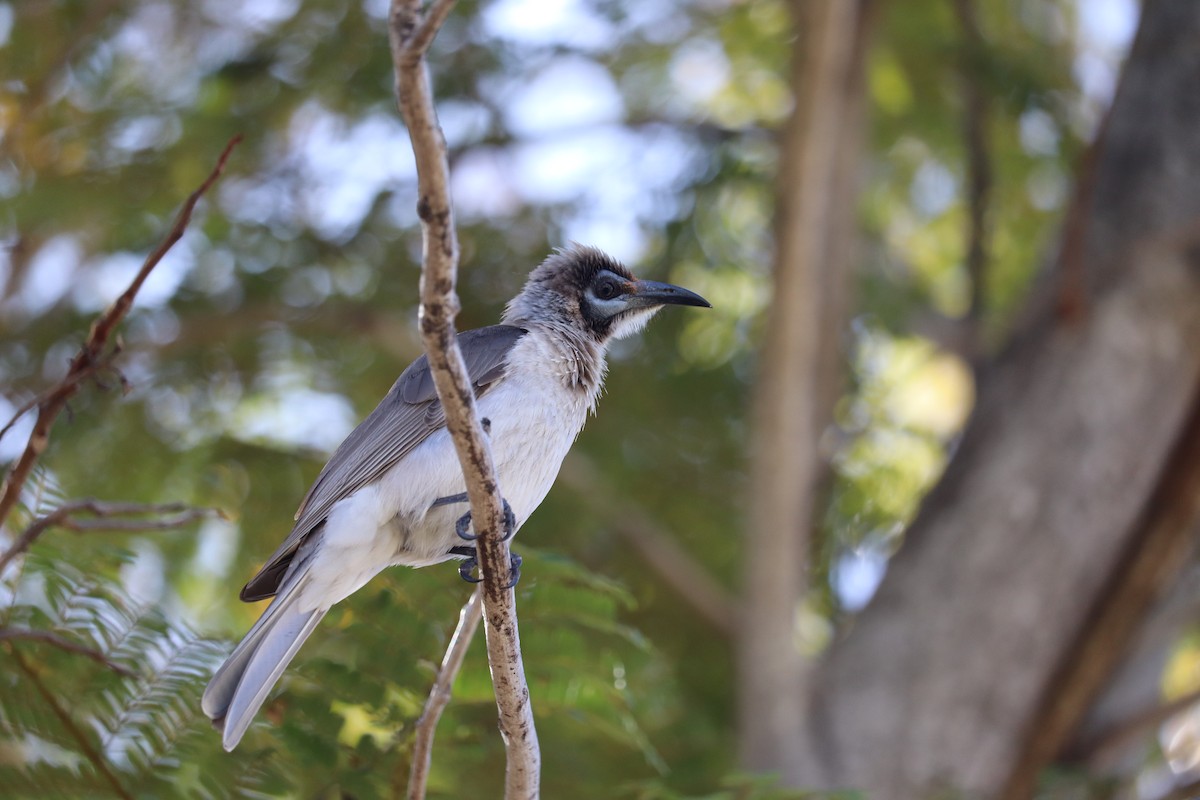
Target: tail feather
(241,685)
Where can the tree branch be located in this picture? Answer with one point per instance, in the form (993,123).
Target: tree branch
(410,33)
(979,171)
(784,469)
(1132,728)
(53,639)
(439,695)
(92,355)
(63,517)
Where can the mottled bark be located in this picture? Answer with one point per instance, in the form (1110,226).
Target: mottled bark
(411,30)
(1066,508)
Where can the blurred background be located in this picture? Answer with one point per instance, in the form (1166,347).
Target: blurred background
(677,136)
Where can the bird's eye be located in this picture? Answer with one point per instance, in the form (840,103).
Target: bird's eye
(607,290)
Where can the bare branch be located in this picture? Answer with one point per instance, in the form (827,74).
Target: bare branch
(92,355)
(69,382)
(979,170)
(63,517)
(62,643)
(426,28)
(1132,728)
(439,695)
(410,34)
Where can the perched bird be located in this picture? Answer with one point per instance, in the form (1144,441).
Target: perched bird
(393,492)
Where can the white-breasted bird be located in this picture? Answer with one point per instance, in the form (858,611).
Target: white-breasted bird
(393,491)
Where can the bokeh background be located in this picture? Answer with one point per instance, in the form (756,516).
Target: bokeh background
(646,128)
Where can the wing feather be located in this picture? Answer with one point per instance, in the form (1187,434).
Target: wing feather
(406,416)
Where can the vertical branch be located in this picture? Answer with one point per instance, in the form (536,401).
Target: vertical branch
(439,695)
(772,669)
(410,33)
(92,355)
(979,170)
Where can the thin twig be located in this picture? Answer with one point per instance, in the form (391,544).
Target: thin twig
(439,695)
(410,33)
(63,517)
(92,353)
(81,738)
(54,640)
(69,382)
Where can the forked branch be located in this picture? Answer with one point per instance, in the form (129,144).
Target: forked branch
(410,33)
(107,517)
(439,695)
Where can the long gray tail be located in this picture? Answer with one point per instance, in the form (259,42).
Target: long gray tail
(241,685)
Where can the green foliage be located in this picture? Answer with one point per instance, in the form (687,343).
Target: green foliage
(72,726)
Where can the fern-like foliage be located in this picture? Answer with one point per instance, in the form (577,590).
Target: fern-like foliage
(125,723)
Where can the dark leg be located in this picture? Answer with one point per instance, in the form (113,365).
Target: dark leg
(464,523)
(470,562)
(450,500)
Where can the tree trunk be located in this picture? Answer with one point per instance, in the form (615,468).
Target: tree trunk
(1067,506)
(798,373)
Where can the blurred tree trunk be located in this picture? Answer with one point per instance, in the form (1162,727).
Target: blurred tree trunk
(800,371)
(1066,510)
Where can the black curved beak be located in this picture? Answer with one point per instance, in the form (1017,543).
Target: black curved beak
(653,293)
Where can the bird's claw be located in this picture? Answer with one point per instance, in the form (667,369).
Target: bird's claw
(461,527)
(464,570)
(470,563)
(514,570)
(510,522)
(463,524)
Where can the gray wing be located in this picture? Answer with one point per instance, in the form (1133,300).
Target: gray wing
(403,419)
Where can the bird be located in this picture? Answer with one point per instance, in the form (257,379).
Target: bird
(393,492)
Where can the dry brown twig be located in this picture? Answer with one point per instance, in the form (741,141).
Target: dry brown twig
(439,695)
(410,33)
(54,640)
(111,517)
(94,355)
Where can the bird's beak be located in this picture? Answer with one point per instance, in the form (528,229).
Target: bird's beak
(653,293)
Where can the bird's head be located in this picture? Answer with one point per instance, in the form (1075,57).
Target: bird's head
(593,292)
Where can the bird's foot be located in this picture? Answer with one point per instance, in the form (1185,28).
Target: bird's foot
(471,562)
(466,568)
(463,525)
(514,570)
